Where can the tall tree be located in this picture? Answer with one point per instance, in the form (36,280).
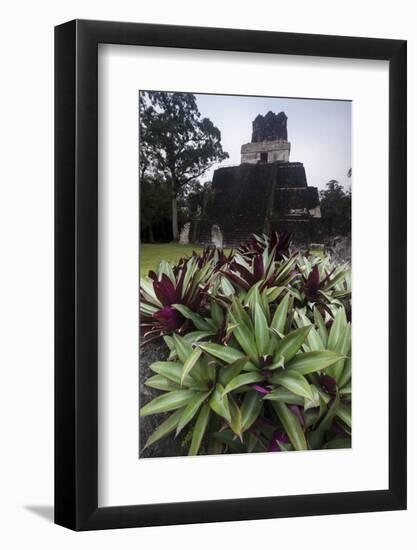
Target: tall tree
(155,210)
(335,205)
(176,143)
(197,198)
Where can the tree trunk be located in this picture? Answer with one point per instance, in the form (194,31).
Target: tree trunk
(151,236)
(175,233)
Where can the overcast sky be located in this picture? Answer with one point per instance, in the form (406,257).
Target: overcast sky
(319,131)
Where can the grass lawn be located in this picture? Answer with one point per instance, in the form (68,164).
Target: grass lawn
(151,254)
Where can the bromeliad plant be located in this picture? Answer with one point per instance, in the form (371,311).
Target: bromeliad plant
(277,245)
(173,297)
(261,270)
(278,379)
(172,294)
(323,284)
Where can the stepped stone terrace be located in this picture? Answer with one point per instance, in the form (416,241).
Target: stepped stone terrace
(266,192)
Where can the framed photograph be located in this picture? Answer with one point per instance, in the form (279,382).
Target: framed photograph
(230,244)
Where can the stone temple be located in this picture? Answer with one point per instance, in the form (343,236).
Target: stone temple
(266,192)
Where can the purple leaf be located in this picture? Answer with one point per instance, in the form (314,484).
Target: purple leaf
(279,245)
(236,279)
(327,383)
(243,272)
(277,436)
(260,389)
(312,284)
(258,267)
(152,275)
(169,318)
(180,280)
(165,291)
(313,281)
(328,276)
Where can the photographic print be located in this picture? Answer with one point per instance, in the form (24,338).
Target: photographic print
(245,274)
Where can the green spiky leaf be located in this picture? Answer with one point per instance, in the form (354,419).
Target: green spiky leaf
(227,354)
(164,429)
(191,410)
(190,362)
(291,344)
(243,380)
(220,404)
(261,331)
(291,425)
(251,408)
(199,429)
(313,361)
(294,382)
(167,402)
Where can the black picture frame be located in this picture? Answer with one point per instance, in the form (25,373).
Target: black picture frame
(76,271)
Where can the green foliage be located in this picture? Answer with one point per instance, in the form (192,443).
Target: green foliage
(336,205)
(155,210)
(177,145)
(151,254)
(254,367)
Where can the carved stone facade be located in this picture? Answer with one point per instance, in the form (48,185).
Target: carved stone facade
(269,140)
(216,236)
(185,233)
(265,151)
